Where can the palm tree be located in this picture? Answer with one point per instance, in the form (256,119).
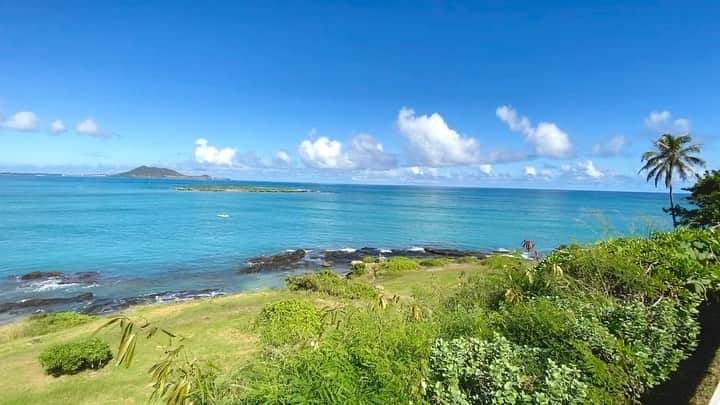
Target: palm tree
(673,154)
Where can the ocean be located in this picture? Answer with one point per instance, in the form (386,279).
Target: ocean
(141,238)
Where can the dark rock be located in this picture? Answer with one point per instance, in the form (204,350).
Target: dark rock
(106,305)
(453,253)
(40,275)
(274,262)
(347,256)
(43,302)
(82,277)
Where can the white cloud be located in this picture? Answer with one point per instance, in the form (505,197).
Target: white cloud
(588,168)
(433,143)
(57,127)
(418,171)
(21,121)
(282,159)
(90,127)
(530,171)
(323,153)
(485,168)
(612,147)
(547,138)
(364,153)
(661,121)
(207,154)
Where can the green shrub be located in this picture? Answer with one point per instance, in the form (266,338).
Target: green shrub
(288,321)
(328,282)
(72,357)
(370,259)
(368,356)
(435,262)
(473,371)
(357,270)
(399,264)
(41,324)
(467,259)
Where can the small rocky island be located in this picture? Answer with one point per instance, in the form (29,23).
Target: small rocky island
(148,172)
(242,189)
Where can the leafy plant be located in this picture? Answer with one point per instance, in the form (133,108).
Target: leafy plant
(358,269)
(287,322)
(75,356)
(435,262)
(473,371)
(41,324)
(399,264)
(705,198)
(328,282)
(672,154)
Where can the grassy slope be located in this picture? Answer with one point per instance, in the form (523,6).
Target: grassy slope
(220,329)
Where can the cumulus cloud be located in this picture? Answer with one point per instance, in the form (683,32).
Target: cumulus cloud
(661,121)
(90,127)
(364,152)
(57,127)
(485,168)
(530,171)
(588,168)
(207,154)
(433,143)
(613,147)
(282,159)
(323,153)
(547,138)
(21,121)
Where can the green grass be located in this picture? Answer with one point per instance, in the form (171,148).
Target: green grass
(219,329)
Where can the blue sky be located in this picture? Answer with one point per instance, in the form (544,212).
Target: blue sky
(521,94)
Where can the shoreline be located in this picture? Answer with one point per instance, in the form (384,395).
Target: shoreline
(89,292)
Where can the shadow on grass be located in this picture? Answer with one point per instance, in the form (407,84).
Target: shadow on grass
(682,384)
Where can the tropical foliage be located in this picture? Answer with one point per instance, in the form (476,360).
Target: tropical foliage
(705,199)
(672,155)
(597,323)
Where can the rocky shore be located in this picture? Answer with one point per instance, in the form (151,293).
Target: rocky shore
(41,285)
(342,258)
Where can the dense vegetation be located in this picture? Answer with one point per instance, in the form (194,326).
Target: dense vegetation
(705,199)
(75,356)
(590,324)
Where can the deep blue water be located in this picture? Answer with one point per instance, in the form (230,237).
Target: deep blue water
(144,237)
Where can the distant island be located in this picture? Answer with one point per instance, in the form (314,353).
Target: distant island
(242,189)
(148,172)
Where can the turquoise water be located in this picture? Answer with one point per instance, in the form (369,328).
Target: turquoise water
(143,237)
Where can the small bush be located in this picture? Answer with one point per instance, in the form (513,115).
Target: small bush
(470,371)
(357,270)
(41,324)
(435,262)
(72,357)
(399,264)
(467,259)
(287,322)
(327,282)
(370,259)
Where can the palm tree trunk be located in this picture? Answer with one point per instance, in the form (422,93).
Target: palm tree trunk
(672,209)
